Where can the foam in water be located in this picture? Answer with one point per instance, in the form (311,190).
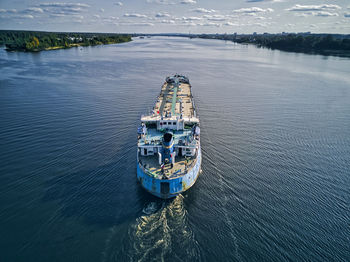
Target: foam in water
(150,208)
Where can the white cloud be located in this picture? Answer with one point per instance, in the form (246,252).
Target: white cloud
(134,24)
(210,24)
(230,24)
(185,2)
(109,20)
(253,10)
(55,9)
(261,24)
(76,5)
(102,10)
(189,23)
(118,3)
(25,16)
(324,13)
(135,15)
(191,18)
(162,15)
(203,10)
(17,16)
(324,7)
(8,11)
(33,10)
(318,13)
(273,1)
(161,2)
(215,17)
(96,16)
(167,22)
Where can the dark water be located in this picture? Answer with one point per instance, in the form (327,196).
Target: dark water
(275,184)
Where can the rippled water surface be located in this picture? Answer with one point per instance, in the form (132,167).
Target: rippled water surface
(275,128)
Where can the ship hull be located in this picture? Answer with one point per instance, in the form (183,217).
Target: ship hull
(169,188)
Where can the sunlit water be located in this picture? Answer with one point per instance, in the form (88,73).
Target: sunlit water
(275,129)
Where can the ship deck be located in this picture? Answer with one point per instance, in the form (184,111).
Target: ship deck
(182,166)
(170,97)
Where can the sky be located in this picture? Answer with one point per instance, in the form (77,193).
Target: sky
(177,16)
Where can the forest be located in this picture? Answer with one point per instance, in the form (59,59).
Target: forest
(325,44)
(34,41)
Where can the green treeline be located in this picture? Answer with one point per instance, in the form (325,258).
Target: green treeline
(38,41)
(325,44)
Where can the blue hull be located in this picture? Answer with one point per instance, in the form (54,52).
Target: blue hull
(168,188)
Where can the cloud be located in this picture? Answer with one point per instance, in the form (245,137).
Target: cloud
(63,8)
(324,7)
(102,10)
(74,5)
(24,16)
(317,13)
(185,2)
(19,14)
(215,17)
(260,18)
(191,18)
(167,22)
(253,10)
(230,24)
(96,16)
(203,10)
(274,1)
(134,24)
(162,15)
(323,13)
(118,3)
(210,24)
(33,10)
(261,24)
(135,15)
(8,11)
(109,20)
(12,14)
(161,2)
(189,23)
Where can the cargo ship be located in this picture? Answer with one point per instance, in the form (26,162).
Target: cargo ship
(168,141)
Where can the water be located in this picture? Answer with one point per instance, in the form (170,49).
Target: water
(275,184)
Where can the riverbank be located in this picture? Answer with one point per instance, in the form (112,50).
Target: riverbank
(322,44)
(36,41)
(60,47)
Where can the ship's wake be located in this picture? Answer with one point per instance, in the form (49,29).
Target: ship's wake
(162,234)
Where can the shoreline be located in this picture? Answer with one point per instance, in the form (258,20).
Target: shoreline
(285,43)
(61,47)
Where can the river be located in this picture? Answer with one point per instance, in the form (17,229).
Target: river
(275,136)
